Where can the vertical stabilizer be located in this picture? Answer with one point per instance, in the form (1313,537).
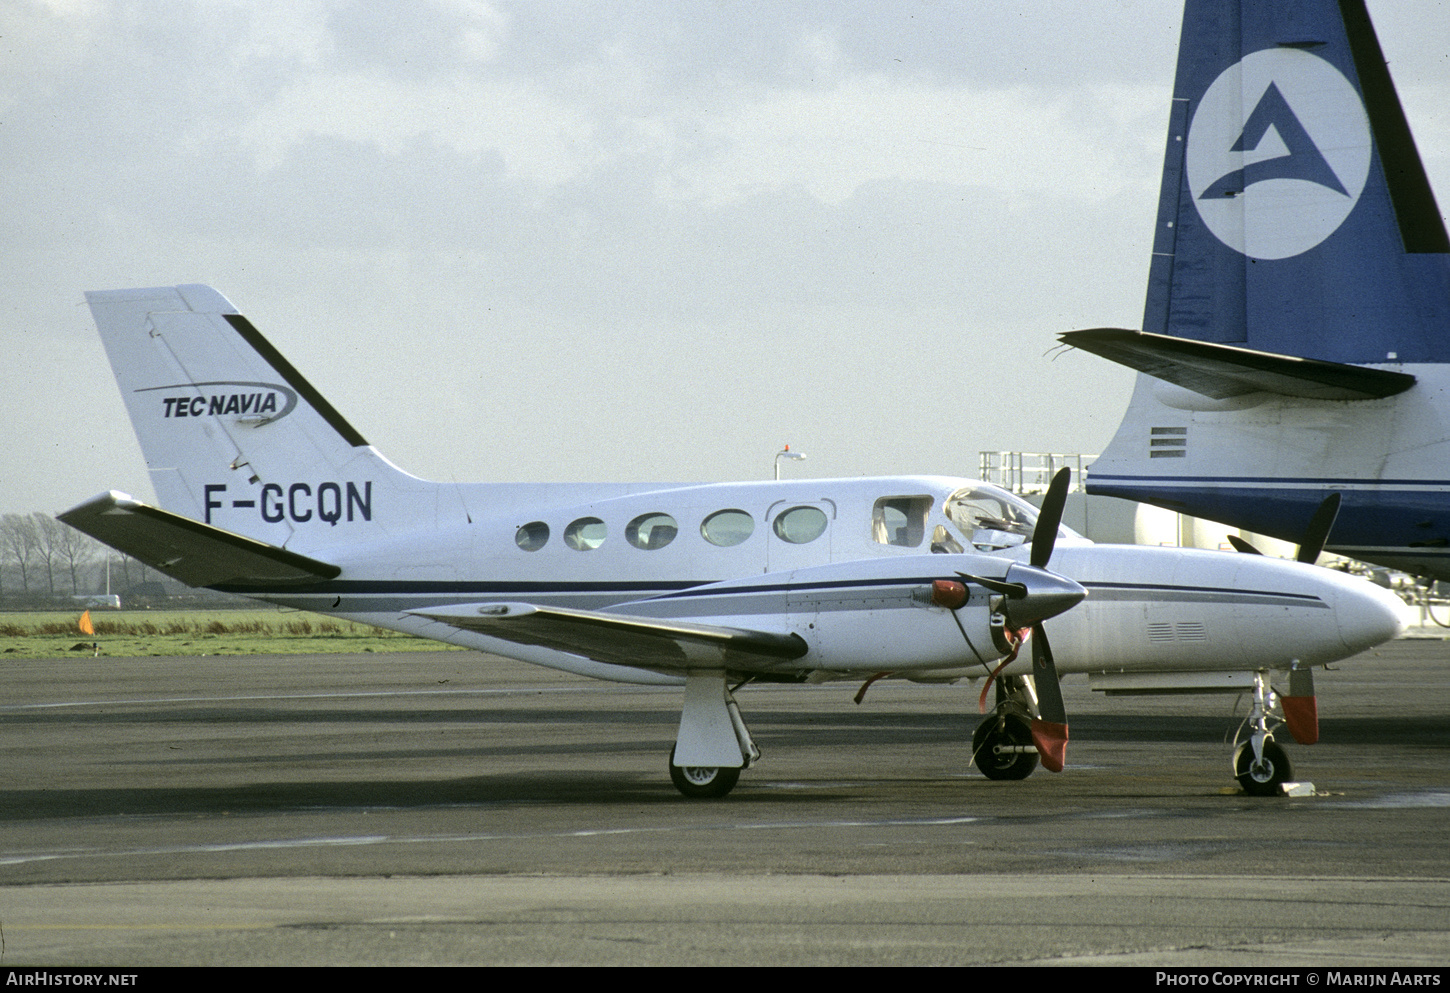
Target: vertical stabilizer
(233,435)
(1296,332)
(1295,216)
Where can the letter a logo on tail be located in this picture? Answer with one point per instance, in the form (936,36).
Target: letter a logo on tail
(1301,159)
(1274,179)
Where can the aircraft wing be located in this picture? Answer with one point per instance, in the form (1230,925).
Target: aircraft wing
(195,553)
(620,639)
(1224,371)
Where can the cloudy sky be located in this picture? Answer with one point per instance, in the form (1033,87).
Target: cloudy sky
(606,240)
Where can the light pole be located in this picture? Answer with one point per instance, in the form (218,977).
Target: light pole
(786,453)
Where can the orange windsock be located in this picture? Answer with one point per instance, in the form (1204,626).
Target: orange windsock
(85,624)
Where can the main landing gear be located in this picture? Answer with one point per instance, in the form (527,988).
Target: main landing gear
(713,744)
(702,782)
(1002,744)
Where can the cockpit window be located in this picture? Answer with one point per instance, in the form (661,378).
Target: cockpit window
(900,520)
(991,518)
(651,531)
(942,542)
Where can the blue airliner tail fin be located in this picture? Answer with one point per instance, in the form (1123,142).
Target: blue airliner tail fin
(1295,215)
(1296,334)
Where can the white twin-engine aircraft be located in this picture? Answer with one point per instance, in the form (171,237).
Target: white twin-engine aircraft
(265,490)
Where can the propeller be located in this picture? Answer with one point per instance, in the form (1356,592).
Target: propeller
(1049,731)
(1044,536)
(1319,527)
(1315,535)
(1031,595)
(1241,545)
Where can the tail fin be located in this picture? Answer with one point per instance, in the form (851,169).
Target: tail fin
(234,436)
(1297,325)
(1295,215)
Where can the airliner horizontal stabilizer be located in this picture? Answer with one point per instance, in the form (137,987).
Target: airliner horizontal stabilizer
(1223,371)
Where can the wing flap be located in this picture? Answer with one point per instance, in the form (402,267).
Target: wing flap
(1224,371)
(618,639)
(195,553)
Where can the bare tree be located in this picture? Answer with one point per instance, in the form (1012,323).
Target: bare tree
(20,543)
(48,548)
(75,550)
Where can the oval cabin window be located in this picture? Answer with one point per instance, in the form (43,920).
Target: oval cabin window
(585,534)
(727,527)
(651,531)
(800,525)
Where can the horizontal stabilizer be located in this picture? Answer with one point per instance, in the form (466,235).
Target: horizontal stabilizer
(1224,371)
(621,639)
(195,553)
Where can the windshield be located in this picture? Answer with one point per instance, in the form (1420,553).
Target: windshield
(990,518)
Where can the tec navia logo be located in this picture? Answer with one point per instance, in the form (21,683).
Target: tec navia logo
(261,402)
(1278,153)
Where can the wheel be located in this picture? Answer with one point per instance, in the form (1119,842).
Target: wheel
(702,782)
(1006,730)
(1262,778)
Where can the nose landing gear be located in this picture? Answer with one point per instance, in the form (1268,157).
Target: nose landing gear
(1264,774)
(1260,764)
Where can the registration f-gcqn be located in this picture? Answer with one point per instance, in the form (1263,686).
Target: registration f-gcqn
(266,490)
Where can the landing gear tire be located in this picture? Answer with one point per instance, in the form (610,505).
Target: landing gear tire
(1262,778)
(1007,731)
(702,782)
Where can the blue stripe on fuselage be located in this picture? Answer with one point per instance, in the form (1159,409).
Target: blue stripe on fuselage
(400,596)
(1406,514)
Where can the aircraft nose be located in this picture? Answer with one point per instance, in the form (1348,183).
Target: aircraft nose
(1368,615)
(1048,595)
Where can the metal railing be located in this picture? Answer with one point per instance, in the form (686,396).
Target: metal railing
(1029,472)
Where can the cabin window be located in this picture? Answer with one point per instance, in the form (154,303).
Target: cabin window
(585,534)
(900,520)
(651,531)
(800,525)
(727,527)
(532,537)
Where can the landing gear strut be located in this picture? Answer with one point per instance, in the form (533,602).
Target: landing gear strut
(1260,763)
(713,744)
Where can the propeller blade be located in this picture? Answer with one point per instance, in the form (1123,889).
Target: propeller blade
(1243,546)
(1318,531)
(1044,536)
(1014,591)
(1044,670)
(1049,730)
